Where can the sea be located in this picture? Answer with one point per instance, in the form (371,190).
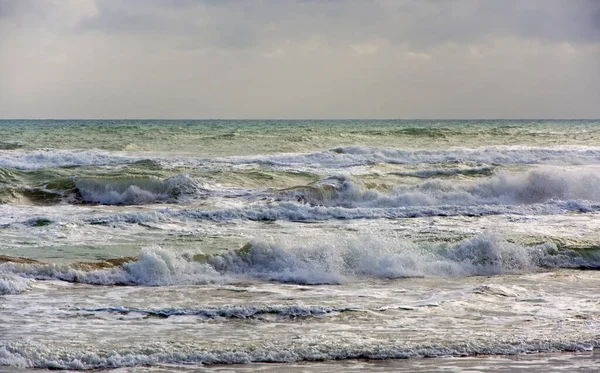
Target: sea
(300,245)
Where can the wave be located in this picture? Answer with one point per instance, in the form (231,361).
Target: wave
(356,156)
(335,158)
(152,267)
(82,357)
(292,211)
(33,196)
(39,159)
(283,311)
(230,312)
(496,155)
(333,261)
(502,189)
(13,284)
(10,145)
(447,172)
(119,190)
(296,212)
(135,191)
(343,259)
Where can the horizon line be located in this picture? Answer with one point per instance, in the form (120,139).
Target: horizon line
(294,119)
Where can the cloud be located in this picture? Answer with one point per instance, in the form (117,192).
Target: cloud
(418,56)
(421,23)
(366,48)
(239,24)
(299,58)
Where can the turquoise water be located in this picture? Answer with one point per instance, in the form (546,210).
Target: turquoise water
(225,242)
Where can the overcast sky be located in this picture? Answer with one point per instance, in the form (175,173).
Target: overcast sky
(299,59)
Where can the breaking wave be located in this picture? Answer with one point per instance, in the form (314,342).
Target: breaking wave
(332,261)
(121,190)
(13,284)
(81,357)
(502,189)
(293,211)
(355,156)
(335,158)
(61,158)
(488,154)
(135,191)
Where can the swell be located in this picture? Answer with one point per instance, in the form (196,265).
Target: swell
(135,191)
(447,172)
(107,190)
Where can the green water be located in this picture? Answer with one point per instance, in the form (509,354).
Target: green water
(226,137)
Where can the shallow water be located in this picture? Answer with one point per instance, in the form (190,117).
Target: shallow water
(539,363)
(241,242)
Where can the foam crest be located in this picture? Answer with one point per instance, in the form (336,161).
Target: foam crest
(486,154)
(502,189)
(427,173)
(341,259)
(231,312)
(331,260)
(154,266)
(356,156)
(36,355)
(336,158)
(61,158)
(293,211)
(13,284)
(135,191)
(538,186)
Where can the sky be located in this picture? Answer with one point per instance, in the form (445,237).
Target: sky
(306,59)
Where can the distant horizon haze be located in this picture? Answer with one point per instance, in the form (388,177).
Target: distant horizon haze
(289,59)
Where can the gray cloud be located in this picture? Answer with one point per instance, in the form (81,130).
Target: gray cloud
(422,23)
(304,58)
(16,9)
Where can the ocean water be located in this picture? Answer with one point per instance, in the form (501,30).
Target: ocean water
(142,245)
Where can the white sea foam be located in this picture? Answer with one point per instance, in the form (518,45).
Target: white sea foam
(342,197)
(37,355)
(154,266)
(23,217)
(502,189)
(61,158)
(238,312)
(336,158)
(487,154)
(293,211)
(135,191)
(342,259)
(353,156)
(323,261)
(41,329)
(13,284)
